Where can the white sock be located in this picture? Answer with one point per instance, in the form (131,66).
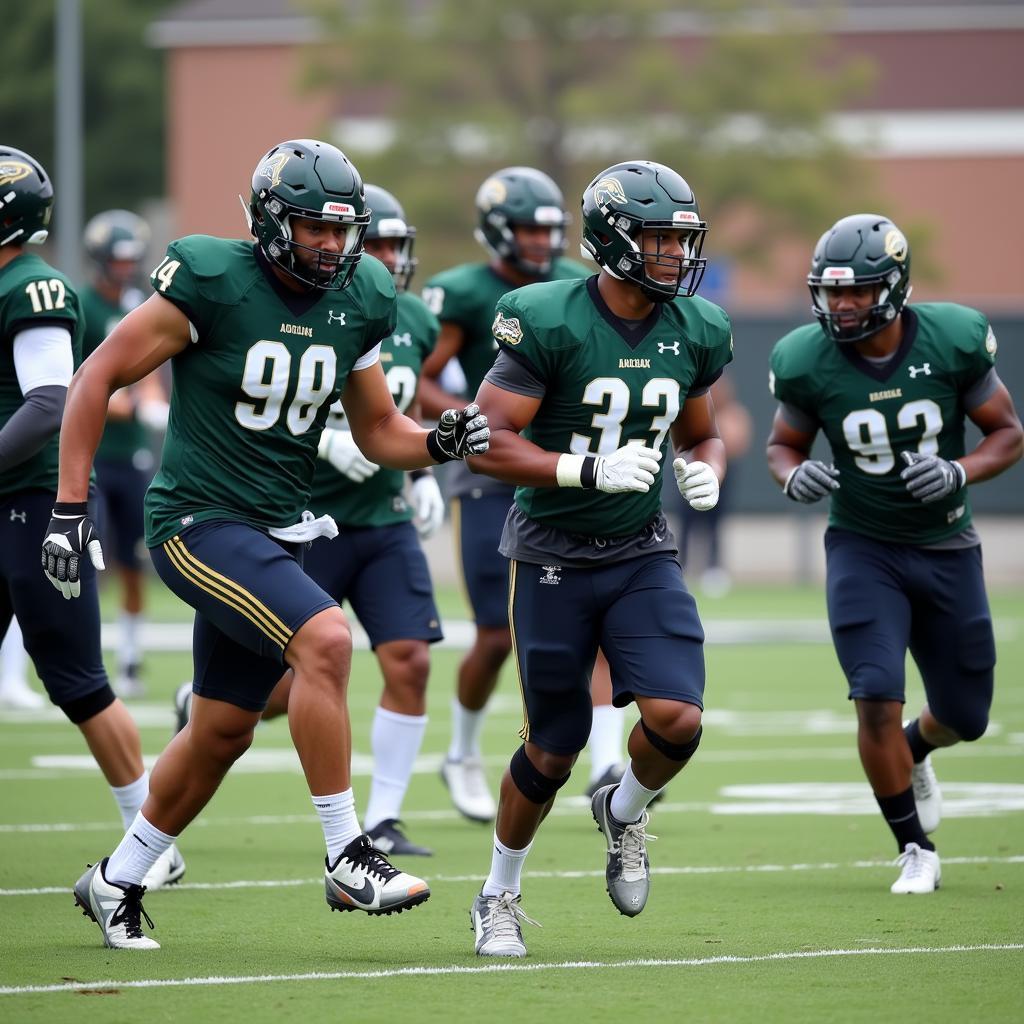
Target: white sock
(130,798)
(506,869)
(136,853)
(606,739)
(466,728)
(630,799)
(395,740)
(128,648)
(338,819)
(13,659)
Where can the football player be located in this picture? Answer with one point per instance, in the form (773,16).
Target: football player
(595,381)
(377,563)
(263,339)
(522,224)
(890,384)
(41,327)
(116,242)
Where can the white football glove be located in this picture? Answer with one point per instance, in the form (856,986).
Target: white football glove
(339,448)
(629,468)
(697,484)
(427,505)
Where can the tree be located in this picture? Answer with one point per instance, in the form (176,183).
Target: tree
(123,96)
(469,86)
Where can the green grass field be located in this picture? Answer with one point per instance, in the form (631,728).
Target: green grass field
(769,899)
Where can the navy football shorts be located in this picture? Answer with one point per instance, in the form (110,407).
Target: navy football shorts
(121,522)
(383,573)
(62,637)
(477,523)
(638,612)
(250,595)
(885,599)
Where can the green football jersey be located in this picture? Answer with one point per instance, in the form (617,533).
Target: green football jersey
(380,501)
(870,414)
(121,438)
(606,386)
(466,295)
(250,397)
(33,294)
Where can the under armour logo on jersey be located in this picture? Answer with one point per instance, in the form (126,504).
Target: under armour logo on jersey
(402,339)
(673,348)
(915,370)
(19,516)
(551,574)
(335,318)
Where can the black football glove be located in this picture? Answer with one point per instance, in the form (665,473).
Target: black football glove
(69,536)
(811,481)
(929,478)
(458,434)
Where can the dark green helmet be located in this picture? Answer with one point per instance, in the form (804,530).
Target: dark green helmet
(863,250)
(636,196)
(314,180)
(116,235)
(26,198)
(520,195)
(387,220)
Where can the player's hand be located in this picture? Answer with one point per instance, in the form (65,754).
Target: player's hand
(811,481)
(458,434)
(427,505)
(339,448)
(629,468)
(69,537)
(697,483)
(929,478)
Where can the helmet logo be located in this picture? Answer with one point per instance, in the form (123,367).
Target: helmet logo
(12,171)
(895,245)
(492,192)
(507,329)
(273,167)
(609,190)
(338,209)
(685,217)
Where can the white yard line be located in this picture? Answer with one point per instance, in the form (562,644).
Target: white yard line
(502,968)
(694,869)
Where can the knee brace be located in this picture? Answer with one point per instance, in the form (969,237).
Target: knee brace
(673,751)
(81,709)
(534,785)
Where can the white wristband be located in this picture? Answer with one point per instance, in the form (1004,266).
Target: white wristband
(569,470)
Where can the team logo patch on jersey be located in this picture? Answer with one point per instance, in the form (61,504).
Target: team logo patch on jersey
(335,318)
(273,167)
(507,329)
(402,339)
(926,369)
(609,190)
(895,245)
(12,171)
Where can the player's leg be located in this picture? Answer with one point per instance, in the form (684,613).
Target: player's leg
(655,646)
(477,522)
(953,645)
(870,617)
(393,596)
(606,730)
(554,628)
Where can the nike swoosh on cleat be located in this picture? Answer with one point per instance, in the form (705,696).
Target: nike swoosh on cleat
(363,895)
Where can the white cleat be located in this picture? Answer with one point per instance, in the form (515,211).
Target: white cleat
(927,795)
(920,871)
(363,879)
(168,869)
(495,921)
(115,908)
(19,696)
(467,786)
(627,870)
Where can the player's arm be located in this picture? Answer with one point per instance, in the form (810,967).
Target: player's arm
(387,437)
(145,339)
(789,448)
(433,398)
(1003,442)
(515,460)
